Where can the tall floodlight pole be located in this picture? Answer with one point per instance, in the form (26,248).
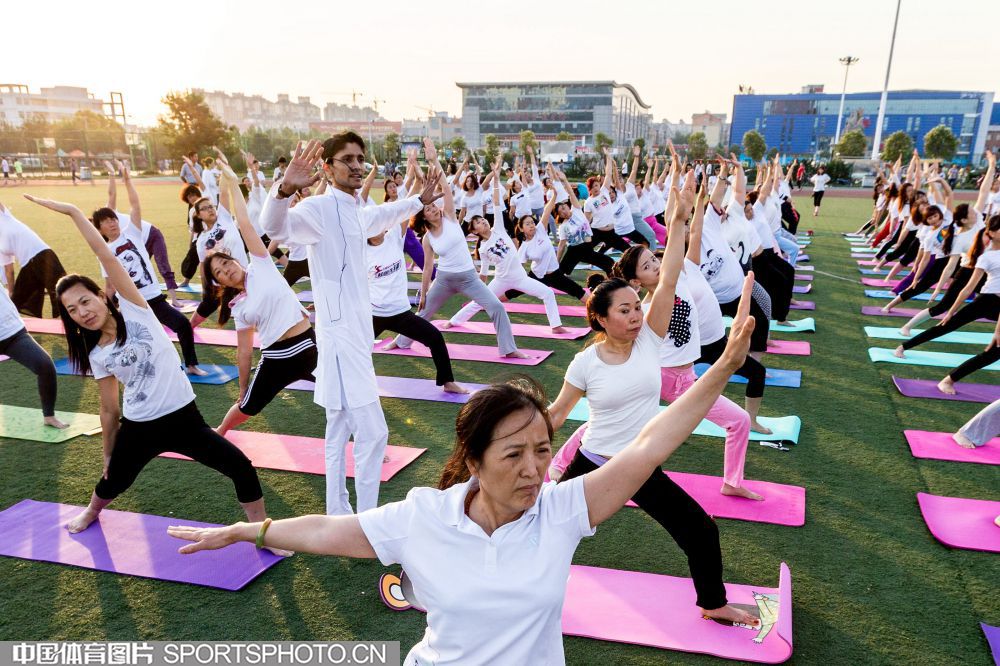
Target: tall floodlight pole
(846,62)
(885,89)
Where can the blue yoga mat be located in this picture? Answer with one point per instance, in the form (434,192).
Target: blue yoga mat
(805,325)
(776,377)
(884,293)
(959,337)
(189,289)
(785,428)
(919,357)
(217,374)
(884,271)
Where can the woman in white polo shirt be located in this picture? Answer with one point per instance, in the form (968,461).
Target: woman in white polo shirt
(489,552)
(262,304)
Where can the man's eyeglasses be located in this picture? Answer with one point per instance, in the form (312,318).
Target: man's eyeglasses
(358,162)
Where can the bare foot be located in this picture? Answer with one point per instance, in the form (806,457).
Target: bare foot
(905,331)
(280,552)
(446,324)
(963,441)
(82,521)
(516,354)
(899,352)
(184,284)
(392,345)
(452,387)
(740,492)
(757,427)
(195,370)
(947,386)
(732,615)
(794,302)
(886,309)
(557,330)
(54,422)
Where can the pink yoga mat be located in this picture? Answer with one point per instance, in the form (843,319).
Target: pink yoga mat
(538,308)
(925,388)
(788,347)
(660,611)
(803,305)
(940,446)
(866,262)
(878,282)
(206,336)
(804,278)
(520,330)
(805,268)
(134,544)
(962,523)
(802,289)
(407,389)
(468,353)
(293,453)
(782,504)
(876,311)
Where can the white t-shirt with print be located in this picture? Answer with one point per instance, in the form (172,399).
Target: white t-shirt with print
(387,275)
(682,344)
(719,265)
(267,304)
(540,252)
(131,253)
(710,325)
(224,236)
(989,261)
(499,251)
(147,365)
(601,210)
(575,230)
(624,224)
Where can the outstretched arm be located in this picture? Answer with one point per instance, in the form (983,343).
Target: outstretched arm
(250,238)
(694,231)
(321,535)
(135,215)
(117,275)
(662,306)
(366,187)
(112,185)
(984,187)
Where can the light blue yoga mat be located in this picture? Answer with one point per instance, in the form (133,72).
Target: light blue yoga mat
(784,428)
(189,289)
(864,250)
(217,374)
(775,376)
(919,357)
(884,271)
(885,293)
(797,326)
(960,337)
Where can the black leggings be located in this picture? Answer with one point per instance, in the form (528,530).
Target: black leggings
(189,265)
(927,279)
(22,348)
(887,245)
(977,362)
(752,369)
(556,280)
(986,306)
(761,329)
(209,303)
(421,330)
(906,252)
(296,270)
(958,282)
(37,278)
(686,522)
(170,317)
(610,240)
(284,362)
(584,252)
(777,276)
(637,238)
(183,431)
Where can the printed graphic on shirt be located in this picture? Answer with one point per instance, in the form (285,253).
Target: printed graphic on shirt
(499,250)
(128,256)
(131,363)
(215,237)
(712,266)
(378,271)
(680,323)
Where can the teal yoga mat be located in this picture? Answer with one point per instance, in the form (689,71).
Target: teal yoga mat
(883,293)
(960,337)
(919,357)
(785,428)
(797,326)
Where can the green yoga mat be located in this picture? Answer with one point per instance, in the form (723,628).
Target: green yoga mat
(960,337)
(918,357)
(26,423)
(797,326)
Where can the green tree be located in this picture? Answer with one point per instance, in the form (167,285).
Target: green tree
(898,145)
(564,136)
(772,153)
(641,143)
(940,142)
(852,144)
(189,124)
(527,140)
(491,149)
(754,145)
(681,138)
(391,146)
(458,145)
(697,146)
(602,141)
(90,132)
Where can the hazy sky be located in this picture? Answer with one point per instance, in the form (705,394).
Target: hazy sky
(681,57)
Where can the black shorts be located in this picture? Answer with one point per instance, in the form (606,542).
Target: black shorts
(818,197)
(282,363)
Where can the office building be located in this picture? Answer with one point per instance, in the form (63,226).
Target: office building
(246,111)
(17,104)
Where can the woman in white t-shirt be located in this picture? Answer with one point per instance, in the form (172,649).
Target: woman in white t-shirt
(39,267)
(472,198)
(217,232)
(819,181)
(496,248)
(262,305)
(600,208)
(455,273)
(158,412)
(537,250)
(124,238)
(492,499)
(576,239)
(620,376)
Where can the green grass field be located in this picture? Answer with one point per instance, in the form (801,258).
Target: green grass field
(871,585)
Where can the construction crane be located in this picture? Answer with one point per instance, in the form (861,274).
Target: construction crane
(355,94)
(428,109)
(376,102)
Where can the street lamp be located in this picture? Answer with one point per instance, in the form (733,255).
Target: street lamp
(885,88)
(846,62)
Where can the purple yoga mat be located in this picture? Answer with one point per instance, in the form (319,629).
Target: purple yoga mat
(788,347)
(962,523)
(538,308)
(520,330)
(407,389)
(876,311)
(803,305)
(941,446)
(134,544)
(802,289)
(993,638)
(926,388)
(459,352)
(805,268)
(804,278)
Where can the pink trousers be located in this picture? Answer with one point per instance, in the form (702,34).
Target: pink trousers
(658,229)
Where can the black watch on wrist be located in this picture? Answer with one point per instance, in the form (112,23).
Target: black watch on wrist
(281,193)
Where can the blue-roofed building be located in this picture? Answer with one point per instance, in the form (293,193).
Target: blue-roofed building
(804,124)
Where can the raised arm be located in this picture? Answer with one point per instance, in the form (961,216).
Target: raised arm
(609,169)
(573,200)
(117,275)
(112,185)
(135,215)
(635,164)
(366,187)
(230,183)
(274,217)
(694,231)
(194,172)
(611,485)
(662,305)
(497,208)
(984,187)
(719,191)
